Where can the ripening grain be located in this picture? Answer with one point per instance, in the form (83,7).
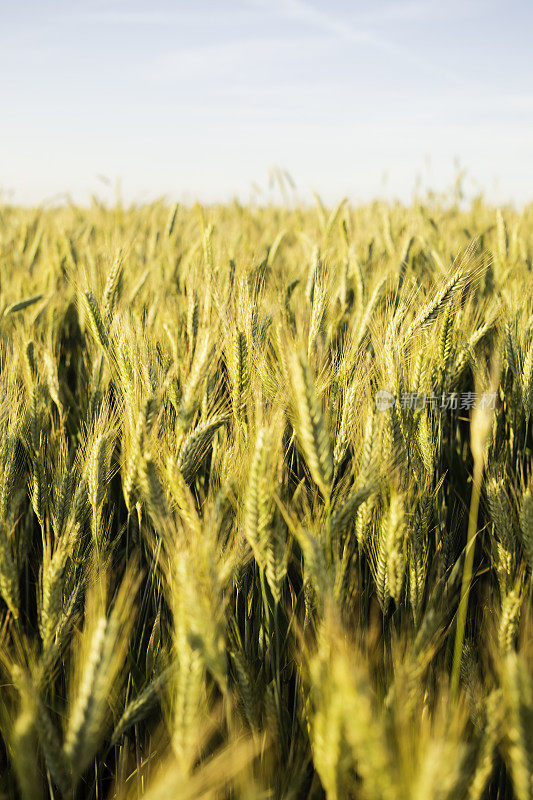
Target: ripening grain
(266,515)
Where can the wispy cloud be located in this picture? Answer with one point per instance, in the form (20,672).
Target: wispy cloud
(414,11)
(345,30)
(240,59)
(128,16)
(410,10)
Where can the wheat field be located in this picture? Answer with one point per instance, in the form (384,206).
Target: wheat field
(266,503)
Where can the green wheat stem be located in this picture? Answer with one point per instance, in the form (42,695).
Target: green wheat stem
(467,575)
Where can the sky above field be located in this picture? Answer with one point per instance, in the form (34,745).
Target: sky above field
(203,99)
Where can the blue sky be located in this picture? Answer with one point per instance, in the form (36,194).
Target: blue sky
(201,99)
